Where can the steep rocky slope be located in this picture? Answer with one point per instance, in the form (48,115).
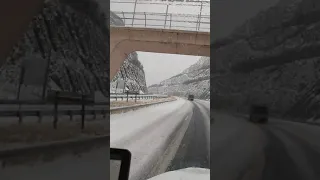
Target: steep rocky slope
(73,37)
(115,20)
(132,70)
(193,80)
(272,59)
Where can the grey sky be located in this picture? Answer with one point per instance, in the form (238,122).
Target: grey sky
(158,67)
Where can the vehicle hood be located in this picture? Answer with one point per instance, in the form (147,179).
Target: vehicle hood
(185,174)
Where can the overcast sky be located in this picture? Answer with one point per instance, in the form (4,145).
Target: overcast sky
(158,66)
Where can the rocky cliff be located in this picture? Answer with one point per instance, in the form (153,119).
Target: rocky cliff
(193,80)
(73,38)
(132,70)
(272,59)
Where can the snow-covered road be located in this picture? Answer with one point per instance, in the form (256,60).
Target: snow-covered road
(147,132)
(156,134)
(194,149)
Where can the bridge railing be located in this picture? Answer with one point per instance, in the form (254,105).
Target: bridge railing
(139,13)
(189,22)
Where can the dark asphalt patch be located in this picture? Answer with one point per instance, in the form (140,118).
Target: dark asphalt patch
(207,111)
(192,151)
(278,164)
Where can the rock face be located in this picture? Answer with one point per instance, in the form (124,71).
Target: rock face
(73,38)
(272,59)
(193,80)
(115,20)
(132,70)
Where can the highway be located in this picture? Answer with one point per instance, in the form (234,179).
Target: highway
(154,135)
(194,148)
(176,138)
(176,135)
(278,150)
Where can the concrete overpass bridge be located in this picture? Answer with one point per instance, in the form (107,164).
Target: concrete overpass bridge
(160,32)
(124,40)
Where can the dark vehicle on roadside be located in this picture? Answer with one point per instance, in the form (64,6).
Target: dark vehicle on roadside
(191,97)
(259,114)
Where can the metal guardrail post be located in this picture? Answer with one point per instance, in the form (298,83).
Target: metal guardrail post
(165,20)
(82,111)
(134,11)
(20,115)
(124,18)
(70,115)
(39,117)
(135,98)
(145,19)
(127,96)
(104,114)
(170,20)
(200,16)
(93,112)
(55,121)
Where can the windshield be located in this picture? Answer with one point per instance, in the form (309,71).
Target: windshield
(170,128)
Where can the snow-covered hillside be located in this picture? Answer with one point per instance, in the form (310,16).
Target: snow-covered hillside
(74,38)
(272,59)
(193,80)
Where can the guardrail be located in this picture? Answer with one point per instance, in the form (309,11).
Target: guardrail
(58,103)
(167,18)
(124,108)
(64,103)
(189,22)
(135,96)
